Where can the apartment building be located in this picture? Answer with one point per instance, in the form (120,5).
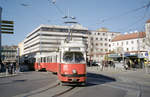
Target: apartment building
(147,30)
(9,53)
(99,43)
(131,44)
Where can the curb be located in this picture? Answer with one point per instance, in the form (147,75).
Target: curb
(9,75)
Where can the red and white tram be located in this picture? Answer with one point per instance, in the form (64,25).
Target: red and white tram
(72,68)
(69,63)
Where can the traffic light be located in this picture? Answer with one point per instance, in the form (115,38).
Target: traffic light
(7,27)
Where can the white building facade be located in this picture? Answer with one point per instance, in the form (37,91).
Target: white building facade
(99,43)
(47,38)
(147,29)
(133,43)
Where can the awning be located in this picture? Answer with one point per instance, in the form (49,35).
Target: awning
(114,55)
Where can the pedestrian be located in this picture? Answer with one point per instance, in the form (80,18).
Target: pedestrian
(17,68)
(11,68)
(131,63)
(14,68)
(146,66)
(103,65)
(7,68)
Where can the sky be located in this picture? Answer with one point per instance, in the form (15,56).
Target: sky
(116,15)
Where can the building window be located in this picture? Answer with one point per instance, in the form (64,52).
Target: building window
(105,44)
(105,39)
(101,49)
(109,45)
(106,50)
(109,39)
(96,44)
(127,49)
(101,39)
(103,34)
(143,40)
(101,44)
(98,33)
(126,42)
(117,43)
(132,42)
(122,43)
(96,38)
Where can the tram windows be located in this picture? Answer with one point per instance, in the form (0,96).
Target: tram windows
(47,59)
(76,57)
(68,57)
(41,60)
(44,59)
(79,57)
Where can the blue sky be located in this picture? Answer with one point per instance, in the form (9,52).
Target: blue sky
(94,14)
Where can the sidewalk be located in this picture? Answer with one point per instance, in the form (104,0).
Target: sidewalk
(114,70)
(2,75)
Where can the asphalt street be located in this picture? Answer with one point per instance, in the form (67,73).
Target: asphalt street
(24,83)
(107,83)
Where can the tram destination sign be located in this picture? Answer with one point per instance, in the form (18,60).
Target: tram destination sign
(7,27)
(74,48)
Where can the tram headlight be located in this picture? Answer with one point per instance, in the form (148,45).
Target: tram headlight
(74,71)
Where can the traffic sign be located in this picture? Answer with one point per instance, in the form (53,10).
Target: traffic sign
(146,54)
(7,27)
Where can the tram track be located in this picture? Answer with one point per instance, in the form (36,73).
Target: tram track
(66,91)
(41,91)
(54,91)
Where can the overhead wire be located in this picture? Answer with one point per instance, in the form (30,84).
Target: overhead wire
(53,2)
(139,20)
(124,14)
(35,11)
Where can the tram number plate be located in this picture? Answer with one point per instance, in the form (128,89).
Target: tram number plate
(74,80)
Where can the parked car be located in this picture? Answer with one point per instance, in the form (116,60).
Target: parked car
(96,64)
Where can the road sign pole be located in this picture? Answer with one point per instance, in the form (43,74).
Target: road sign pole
(0,34)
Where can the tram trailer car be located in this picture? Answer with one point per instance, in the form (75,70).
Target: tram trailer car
(40,64)
(47,62)
(72,66)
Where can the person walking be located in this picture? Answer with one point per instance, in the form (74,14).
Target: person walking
(146,65)
(11,68)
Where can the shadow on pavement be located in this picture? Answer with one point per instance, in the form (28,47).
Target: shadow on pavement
(97,79)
